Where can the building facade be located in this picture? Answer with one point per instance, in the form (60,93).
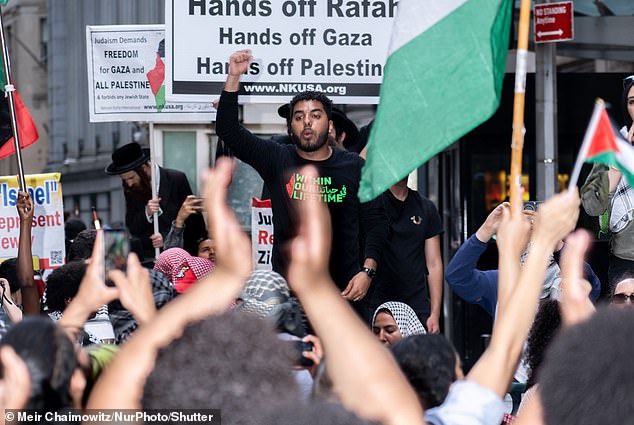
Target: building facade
(26,31)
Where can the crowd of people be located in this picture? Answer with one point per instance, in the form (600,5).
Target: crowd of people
(346,327)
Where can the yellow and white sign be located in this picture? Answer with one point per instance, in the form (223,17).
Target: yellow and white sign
(47,236)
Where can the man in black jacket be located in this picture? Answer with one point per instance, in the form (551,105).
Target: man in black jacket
(309,122)
(132,164)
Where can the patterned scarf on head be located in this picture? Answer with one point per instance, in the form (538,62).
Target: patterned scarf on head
(404,316)
(182,269)
(266,295)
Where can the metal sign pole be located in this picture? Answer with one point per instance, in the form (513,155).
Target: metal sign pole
(157,251)
(9,89)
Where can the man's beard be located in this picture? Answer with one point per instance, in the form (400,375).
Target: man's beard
(141,193)
(310,147)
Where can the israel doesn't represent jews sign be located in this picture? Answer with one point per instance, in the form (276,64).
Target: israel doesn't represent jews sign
(126,77)
(335,46)
(48,246)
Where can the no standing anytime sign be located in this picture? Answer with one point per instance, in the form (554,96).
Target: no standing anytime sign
(553,22)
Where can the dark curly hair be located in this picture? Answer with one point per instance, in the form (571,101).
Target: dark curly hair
(429,364)
(9,271)
(63,283)
(81,248)
(312,413)
(545,327)
(220,362)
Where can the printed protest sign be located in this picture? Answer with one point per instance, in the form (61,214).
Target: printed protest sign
(47,232)
(335,46)
(261,233)
(126,77)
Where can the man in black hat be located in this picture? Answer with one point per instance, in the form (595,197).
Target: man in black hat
(344,134)
(132,164)
(309,124)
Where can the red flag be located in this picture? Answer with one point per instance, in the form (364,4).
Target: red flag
(26,127)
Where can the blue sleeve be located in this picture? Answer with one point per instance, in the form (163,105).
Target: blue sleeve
(594,282)
(472,285)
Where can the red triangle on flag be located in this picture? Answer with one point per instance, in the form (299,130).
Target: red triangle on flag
(156,76)
(604,137)
(26,128)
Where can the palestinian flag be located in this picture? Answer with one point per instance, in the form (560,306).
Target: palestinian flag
(156,77)
(26,126)
(605,145)
(443,77)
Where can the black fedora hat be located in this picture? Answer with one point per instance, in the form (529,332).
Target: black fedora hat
(339,119)
(127,158)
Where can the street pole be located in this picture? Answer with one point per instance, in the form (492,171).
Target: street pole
(8,90)
(546,119)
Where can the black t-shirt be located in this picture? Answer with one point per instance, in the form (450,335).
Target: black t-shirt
(402,274)
(337,185)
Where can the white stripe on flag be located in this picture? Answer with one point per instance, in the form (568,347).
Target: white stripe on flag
(625,155)
(416,16)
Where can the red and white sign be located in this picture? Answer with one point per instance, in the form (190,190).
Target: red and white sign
(261,233)
(553,22)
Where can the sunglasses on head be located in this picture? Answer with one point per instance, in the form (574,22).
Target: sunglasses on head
(621,298)
(627,81)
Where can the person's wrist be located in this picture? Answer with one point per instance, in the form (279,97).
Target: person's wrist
(369,271)
(484,234)
(179,222)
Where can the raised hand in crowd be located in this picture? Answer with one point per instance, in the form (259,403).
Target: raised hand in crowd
(492,222)
(513,233)
(30,296)
(575,306)
(238,64)
(575,303)
(135,290)
(555,219)
(212,295)
(191,205)
(356,359)
(15,385)
(12,310)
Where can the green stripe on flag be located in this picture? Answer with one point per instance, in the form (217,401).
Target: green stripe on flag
(3,2)
(436,88)
(607,158)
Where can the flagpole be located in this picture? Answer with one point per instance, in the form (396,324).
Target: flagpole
(587,138)
(9,89)
(517,141)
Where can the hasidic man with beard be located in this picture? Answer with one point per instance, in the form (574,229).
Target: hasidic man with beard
(132,164)
(308,123)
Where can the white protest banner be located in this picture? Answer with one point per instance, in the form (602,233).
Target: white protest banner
(126,73)
(261,233)
(47,235)
(335,46)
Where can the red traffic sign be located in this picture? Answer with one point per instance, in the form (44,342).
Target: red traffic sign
(553,22)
